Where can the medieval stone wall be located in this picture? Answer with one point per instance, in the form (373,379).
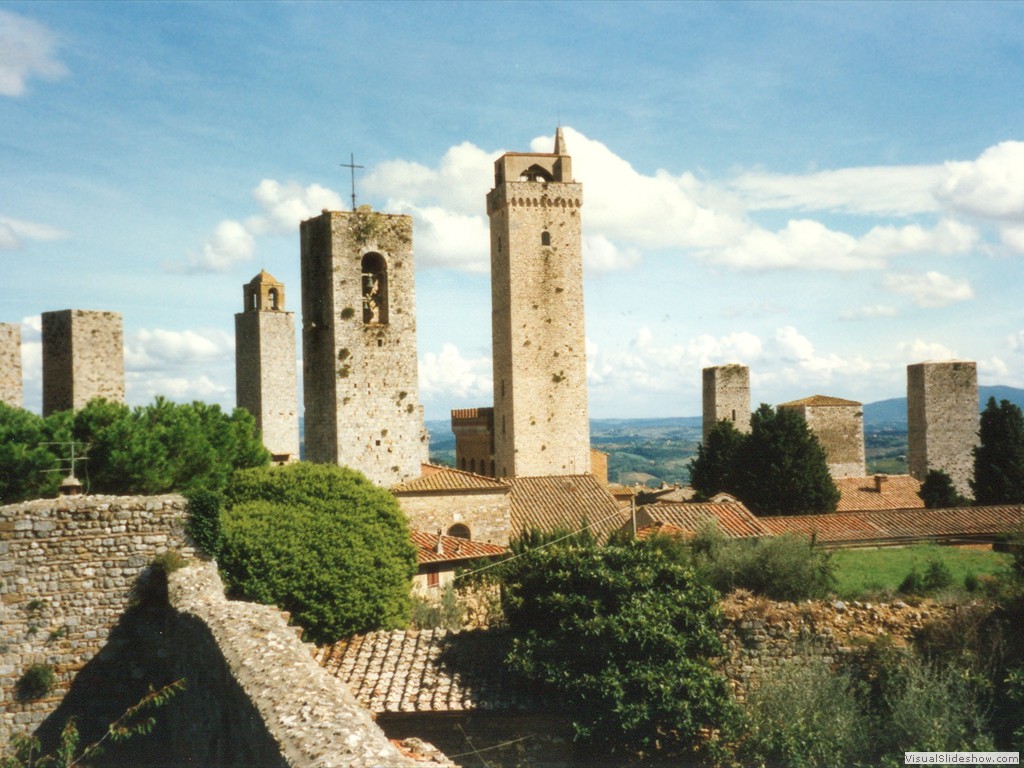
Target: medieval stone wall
(840,432)
(83,358)
(474,440)
(942,420)
(487,513)
(541,422)
(67,567)
(360,368)
(10,364)
(726,395)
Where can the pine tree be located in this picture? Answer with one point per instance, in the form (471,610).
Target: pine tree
(713,469)
(999,456)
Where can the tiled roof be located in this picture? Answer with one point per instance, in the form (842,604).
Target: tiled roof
(453,548)
(662,529)
(732,518)
(861,493)
(429,671)
(446,479)
(564,501)
(819,400)
(847,528)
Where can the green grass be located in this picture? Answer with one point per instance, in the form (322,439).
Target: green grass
(870,572)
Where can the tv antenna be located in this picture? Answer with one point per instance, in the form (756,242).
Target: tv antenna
(67,461)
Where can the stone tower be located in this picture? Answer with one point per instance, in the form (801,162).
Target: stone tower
(360,375)
(10,364)
(839,427)
(942,420)
(541,422)
(265,379)
(83,358)
(726,395)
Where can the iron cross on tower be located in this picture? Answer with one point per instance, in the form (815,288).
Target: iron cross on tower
(351,165)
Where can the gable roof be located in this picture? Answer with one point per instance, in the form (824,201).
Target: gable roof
(453,548)
(862,493)
(429,671)
(818,401)
(904,525)
(445,480)
(564,501)
(733,519)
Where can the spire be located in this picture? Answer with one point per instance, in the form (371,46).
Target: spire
(559,142)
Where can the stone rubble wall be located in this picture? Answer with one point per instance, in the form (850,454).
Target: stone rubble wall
(310,715)
(83,358)
(761,635)
(67,567)
(10,364)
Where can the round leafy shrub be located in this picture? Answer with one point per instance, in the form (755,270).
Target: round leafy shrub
(319,541)
(204,508)
(35,683)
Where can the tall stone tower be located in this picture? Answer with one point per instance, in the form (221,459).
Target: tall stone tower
(10,364)
(265,379)
(942,420)
(726,395)
(83,358)
(360,375)
(541,422)
(839,427)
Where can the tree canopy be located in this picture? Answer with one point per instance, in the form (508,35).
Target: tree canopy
(999,456)
(320,541)
(642,629)
(777,469)
(157,448)
(938,492)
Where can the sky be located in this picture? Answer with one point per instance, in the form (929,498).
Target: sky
(823,192)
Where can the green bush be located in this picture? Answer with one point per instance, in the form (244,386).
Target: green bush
(446,613)
(35,682)
(624,636)
(319,541)
(779,567)
(204,510)
(937,577)
(805,714)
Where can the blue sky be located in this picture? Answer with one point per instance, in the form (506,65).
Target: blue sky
(824,192)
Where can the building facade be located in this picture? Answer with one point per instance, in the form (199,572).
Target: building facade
(83,358)
(360,371)
(266,384)
(10,365)
(942,420)
(726,395)
(541,424)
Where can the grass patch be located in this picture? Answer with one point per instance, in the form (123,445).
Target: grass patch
(874,572)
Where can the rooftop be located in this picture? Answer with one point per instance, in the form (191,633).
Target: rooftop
(564,502)
(818,401)
(453,548)
(732,518)
(878,492)
(445,479)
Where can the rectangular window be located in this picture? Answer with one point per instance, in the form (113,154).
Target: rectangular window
(433,579)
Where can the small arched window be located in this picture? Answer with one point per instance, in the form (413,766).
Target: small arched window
(272,294)
(460,531)
(472,465)
(375,289)
(545,238)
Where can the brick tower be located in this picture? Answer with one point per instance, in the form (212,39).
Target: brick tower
(83,358)
(10,364)
(726,395)
(265,379)
(942,420)
(541,422)
(360,375)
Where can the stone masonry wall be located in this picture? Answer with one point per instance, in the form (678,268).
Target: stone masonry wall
(83,358)
(840,431)
(726,395)
(942,420)
(10,364)
(488,514)
(67,567)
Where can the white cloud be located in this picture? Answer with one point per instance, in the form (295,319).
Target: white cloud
(450,375)
(948,237)
(1013,237)
(931,289)
(444,238)
(602,255)
(27,49)
(991,186)
(869,312)
(230,244)
(13,231)
(802,244)
(919,351)
(163,350)
(144,388)
(285,205)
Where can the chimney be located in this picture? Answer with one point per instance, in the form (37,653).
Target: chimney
(440,541)
(70,486)
(881,481)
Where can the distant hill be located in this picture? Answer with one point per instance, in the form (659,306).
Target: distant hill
(894,410)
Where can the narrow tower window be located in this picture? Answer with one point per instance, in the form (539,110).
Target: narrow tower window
(375,289)
(545,238)
(272,293)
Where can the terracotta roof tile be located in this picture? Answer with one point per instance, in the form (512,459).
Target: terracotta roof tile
(453,548)
(848,528)
(862,493)
(564,501)
(732,518)
(446,479)
(429,671)
(818,401)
